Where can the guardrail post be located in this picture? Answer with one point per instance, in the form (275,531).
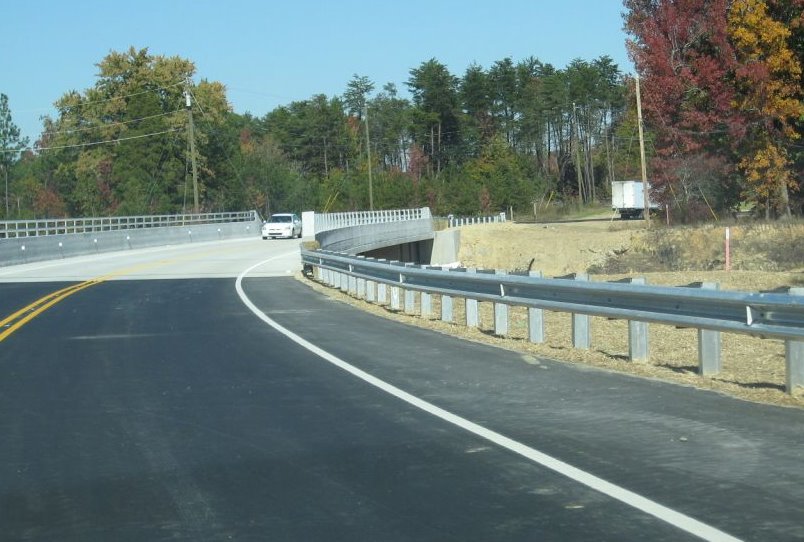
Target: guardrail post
(396,303)
(501,310)
(361,288)
(472,307)
(351,282)
(535,317)
(581,328)
(371,291)
(794,358)
(382,293)
(344,284)
(638,345)
(382,288)
(360,283)
(410,297)
(709,362)
(446,306)
(426,300)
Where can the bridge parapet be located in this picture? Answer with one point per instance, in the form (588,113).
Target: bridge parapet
(359,232)
(25,241)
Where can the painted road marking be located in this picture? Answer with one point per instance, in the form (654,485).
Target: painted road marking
(32,310)
(28,313)
(24,315)
(659,511)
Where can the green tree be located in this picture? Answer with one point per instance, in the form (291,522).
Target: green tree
(475,95)
(499,175)
(138,104)
(316,134)
(503,87)
(10,146)
(436,116)
(356,95)
(532,123)
(390,129)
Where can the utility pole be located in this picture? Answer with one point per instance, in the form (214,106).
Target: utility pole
(645,188)
(191,133)
(368,157)
(5,170)
(577,133)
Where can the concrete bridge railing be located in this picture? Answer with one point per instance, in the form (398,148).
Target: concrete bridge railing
(25,241)
(359,232)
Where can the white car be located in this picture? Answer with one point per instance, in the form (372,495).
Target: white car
(282,225)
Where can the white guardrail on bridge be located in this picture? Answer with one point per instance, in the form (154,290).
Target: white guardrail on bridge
(26,241)
(69,226)
(333,221)
(458,221)
(768,315)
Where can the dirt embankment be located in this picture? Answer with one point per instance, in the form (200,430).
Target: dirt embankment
(762,258)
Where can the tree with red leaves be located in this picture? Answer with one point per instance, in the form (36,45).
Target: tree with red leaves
(685,59)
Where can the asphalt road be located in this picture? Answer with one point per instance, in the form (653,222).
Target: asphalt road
(157,406)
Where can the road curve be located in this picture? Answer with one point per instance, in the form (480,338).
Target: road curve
(160,407)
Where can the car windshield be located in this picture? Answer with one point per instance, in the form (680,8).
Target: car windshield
(281,218)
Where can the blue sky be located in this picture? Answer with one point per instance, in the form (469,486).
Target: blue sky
(271,53)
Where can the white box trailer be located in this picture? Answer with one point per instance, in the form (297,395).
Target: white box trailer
(627,198)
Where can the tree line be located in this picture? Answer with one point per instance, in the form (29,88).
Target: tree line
(722,99)
(493,139)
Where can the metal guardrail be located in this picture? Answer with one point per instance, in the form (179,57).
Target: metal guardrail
(66,226)
(332,221)
(767,315)
(458,221)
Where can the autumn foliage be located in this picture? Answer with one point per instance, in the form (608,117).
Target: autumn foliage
(722,86)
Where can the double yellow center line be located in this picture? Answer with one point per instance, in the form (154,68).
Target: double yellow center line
(29,312)
(13,322)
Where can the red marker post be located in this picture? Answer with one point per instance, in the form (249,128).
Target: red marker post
(728,249)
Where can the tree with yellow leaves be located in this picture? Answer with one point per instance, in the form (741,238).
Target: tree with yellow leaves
(769,95)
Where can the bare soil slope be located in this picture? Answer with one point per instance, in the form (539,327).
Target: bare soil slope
(763,258)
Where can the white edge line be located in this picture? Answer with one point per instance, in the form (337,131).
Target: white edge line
(668,515)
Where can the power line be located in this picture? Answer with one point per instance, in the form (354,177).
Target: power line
(84,104)
(106,125)
(89,144)
(113,98)
(214,132)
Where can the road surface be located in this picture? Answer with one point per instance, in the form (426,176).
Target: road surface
(204,393)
